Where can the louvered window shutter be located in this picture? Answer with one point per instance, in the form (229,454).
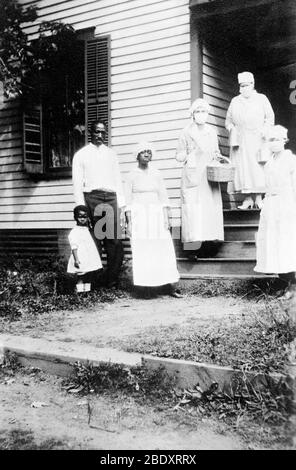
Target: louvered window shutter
(32,140)
(97,82)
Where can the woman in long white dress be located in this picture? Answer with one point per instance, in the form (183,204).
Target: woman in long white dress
(248,119)
(276,237)
(147,212)
(202,212)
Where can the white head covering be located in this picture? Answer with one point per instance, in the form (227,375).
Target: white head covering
(144,145)
(279,132)
(245,77)
(199,103)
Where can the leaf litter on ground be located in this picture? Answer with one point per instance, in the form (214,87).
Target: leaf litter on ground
(39,404)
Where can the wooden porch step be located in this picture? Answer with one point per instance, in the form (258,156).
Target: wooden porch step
(231,201)
(226,249)
(237,249)
(216,266)
(235,257)
(193,277)
(240,232)
(236,216)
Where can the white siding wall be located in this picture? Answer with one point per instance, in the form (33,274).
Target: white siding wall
(150,97)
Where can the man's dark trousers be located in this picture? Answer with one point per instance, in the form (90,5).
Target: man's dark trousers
(105,218)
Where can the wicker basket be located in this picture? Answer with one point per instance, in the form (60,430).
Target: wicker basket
(219,173)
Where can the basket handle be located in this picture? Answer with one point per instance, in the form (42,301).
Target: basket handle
(221,157)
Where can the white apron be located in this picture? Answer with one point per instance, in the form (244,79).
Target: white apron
(153,253)
(276,237)
(251,118)
(201,201)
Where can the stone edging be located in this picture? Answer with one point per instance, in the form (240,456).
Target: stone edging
(57,358)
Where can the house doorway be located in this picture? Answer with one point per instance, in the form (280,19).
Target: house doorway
(259,37)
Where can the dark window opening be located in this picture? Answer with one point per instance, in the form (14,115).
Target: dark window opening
(72,91)
(63,109)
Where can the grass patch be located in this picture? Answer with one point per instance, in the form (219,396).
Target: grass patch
(33,287)
(248,408)
(256,341)
(256,289)
(138,381)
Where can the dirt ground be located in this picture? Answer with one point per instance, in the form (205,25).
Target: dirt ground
(117,422)
(110,322)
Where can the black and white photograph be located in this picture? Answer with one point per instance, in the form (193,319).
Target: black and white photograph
(148,229)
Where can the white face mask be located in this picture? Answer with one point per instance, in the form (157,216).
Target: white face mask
(276,146)
(246,90)
(200,116)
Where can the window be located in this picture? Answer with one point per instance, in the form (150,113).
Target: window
(72,94)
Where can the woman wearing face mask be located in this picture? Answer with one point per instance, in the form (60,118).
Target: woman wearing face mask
(276,237)
(248,119)
(202,214)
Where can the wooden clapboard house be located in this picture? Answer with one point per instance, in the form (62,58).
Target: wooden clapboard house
(143,62)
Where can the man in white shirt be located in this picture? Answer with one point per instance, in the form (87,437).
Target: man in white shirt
(97,184)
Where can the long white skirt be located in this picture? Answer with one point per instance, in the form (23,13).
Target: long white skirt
(276,237)
(202,212)
(154,259)
(249,174)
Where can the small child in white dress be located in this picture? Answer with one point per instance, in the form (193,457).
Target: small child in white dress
(85,258)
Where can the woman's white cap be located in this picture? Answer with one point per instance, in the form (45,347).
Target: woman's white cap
(143,145)
(279,132)
(245,77)
(199,103)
